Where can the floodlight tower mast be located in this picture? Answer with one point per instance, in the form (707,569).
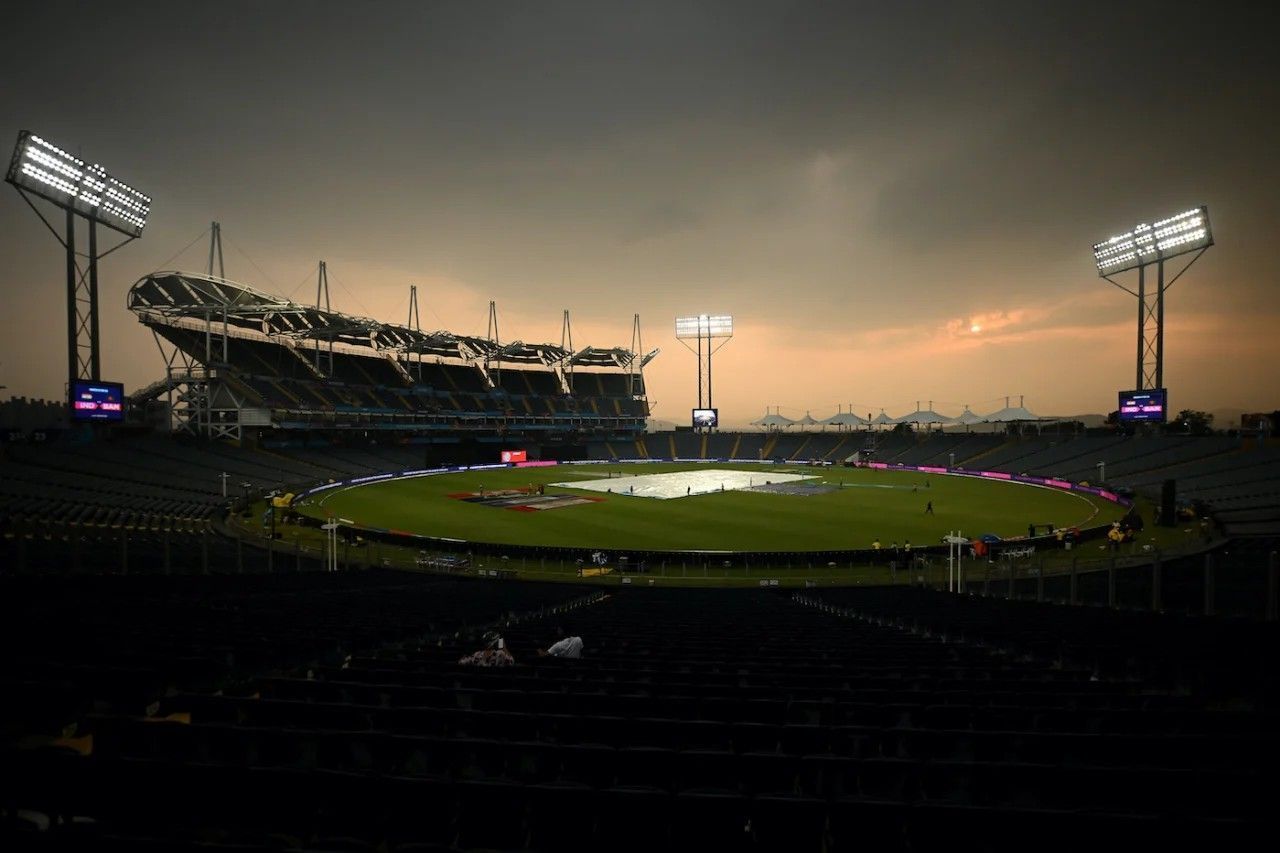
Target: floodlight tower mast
(41,169)
(705,330)
(1144,246)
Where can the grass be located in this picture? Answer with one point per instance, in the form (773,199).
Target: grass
(888,505)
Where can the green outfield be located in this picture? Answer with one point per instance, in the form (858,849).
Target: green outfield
(861,506)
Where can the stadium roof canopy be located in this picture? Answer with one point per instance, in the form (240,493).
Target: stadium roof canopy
(1011,413)
(845,419)
(167,297)
(807,420)
(922,416)
(882,420)
(595,357)
(968,417)
(773,420)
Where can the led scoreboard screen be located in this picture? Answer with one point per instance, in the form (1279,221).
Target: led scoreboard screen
(97,401)
(706,418)
(515,456)
(1149,405)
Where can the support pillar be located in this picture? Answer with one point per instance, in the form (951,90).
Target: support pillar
(73,333)
(95,360)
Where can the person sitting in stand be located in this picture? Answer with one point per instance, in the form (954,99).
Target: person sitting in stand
(494,653)
(564,647)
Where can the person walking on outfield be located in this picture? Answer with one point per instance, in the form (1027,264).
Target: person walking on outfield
(928,509)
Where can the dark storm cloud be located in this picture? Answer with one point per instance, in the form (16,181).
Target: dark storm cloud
(1147,107)
(661,220)
(836,167)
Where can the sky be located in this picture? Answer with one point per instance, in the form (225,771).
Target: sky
(895,201)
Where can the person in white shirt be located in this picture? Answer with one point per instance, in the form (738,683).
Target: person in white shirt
(569,647)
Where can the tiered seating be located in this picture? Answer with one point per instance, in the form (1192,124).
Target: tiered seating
(312,385)
(937,448)
(363,370)
(1151,454)
(751,445)
(688,445)
(720,445)
(1008,456)
(696,720)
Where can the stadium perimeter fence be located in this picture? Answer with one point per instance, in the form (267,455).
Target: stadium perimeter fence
(1230,578)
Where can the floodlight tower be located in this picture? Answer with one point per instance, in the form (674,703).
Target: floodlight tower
(1139,248)
(705,330)
(40,168)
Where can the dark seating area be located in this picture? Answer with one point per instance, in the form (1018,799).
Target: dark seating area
(316,715)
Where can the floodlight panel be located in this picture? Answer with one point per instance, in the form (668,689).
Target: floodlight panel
(705,325)
(42,168)
(1188,231)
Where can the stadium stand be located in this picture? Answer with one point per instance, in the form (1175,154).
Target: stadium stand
(242,359)
(696,719)
(328,711)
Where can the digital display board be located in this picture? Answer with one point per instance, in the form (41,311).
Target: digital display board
(515,456)
(97,401)
(706,418)
(1149,405)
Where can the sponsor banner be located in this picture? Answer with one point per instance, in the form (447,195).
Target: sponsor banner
(370,478)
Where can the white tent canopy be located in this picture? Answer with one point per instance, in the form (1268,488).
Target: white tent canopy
(845,419)
(1008,415)
(1011,413)
(923,416)
(772,420)
(807,420)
